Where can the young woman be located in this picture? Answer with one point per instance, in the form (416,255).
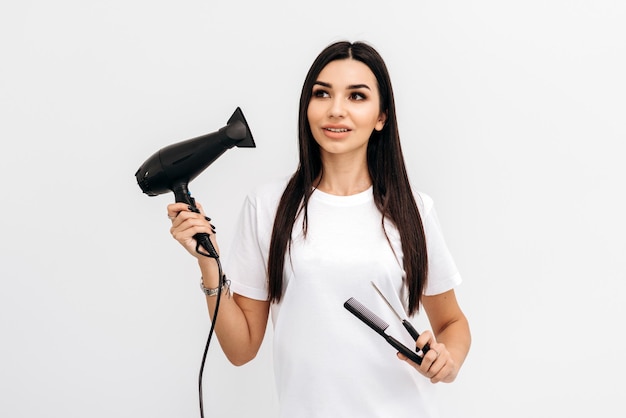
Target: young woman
(346,218)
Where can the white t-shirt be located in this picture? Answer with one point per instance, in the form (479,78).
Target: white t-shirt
(327,362)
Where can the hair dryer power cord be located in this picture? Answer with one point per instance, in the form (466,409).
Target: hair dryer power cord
(211,253)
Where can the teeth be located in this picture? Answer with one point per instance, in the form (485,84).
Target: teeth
(337,130)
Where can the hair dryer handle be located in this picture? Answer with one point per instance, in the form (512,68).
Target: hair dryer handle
(182,195)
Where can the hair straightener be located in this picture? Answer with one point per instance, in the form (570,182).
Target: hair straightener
(378,325)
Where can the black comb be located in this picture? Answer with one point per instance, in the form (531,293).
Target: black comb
(378,325)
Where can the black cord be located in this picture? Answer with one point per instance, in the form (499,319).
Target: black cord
(214,255)
(203,240)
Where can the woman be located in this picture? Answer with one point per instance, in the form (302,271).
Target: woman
(347,217)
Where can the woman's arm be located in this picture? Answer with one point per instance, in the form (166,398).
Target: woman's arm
(241,322)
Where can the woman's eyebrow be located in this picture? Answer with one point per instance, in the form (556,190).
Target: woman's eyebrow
(350,87)
(358,86)
(323,84)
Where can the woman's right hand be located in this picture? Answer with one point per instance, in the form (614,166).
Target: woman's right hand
(186,224)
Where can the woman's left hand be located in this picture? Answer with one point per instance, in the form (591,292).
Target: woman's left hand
(437,364)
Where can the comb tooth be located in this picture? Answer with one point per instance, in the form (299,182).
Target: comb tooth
(365,315)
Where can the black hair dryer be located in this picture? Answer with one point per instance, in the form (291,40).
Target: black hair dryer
(173,167)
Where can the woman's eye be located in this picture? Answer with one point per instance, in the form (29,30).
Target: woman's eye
(357,96)
(320,93)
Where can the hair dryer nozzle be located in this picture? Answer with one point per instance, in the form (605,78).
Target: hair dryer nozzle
(180,163)
(237,127)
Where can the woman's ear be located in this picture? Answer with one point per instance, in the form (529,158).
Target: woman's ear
(380,124)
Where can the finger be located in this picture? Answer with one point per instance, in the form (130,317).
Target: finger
(408,360)
(180,214)
(436,363)
(199,206)
(208,219)
(187,230)
(173,209)
(200,211)
(193,223)
(425,341)
(432,356)
(440,372)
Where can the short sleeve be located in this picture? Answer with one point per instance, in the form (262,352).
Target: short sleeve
(246,263)
(443,274)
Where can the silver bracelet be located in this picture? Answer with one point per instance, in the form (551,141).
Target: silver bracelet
(214,291)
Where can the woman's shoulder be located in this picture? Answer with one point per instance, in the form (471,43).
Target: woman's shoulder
(424,202)
(269,192)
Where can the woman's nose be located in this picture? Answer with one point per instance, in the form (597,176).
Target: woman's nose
(337,108)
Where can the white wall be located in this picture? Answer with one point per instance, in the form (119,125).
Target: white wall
(512,117)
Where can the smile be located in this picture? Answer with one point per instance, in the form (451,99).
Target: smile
(336,129)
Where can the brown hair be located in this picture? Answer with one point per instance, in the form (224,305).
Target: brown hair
(391,188)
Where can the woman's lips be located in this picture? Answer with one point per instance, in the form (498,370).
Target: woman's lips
(338,132)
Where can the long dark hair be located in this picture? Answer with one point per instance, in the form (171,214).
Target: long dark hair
(391,188)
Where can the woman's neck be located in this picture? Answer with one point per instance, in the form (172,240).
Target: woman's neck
(344,180)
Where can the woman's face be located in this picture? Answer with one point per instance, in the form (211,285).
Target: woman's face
(345,108)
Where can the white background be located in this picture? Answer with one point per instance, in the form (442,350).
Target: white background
(512,119)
